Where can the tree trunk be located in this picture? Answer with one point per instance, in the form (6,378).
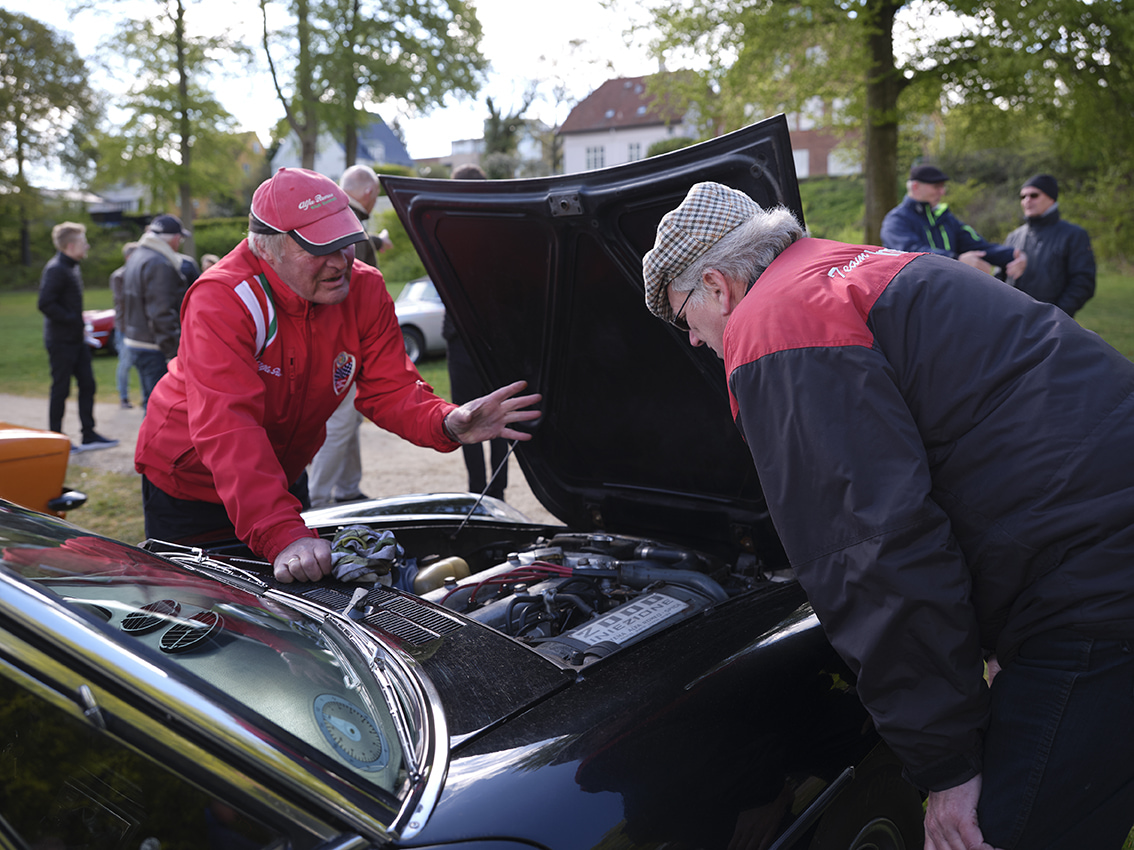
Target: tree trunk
(185,183)
(883,85)
(309,130)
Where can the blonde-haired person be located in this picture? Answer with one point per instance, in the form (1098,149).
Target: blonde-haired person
(61,302)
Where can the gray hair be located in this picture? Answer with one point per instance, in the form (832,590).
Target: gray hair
(745,251)
(267,246)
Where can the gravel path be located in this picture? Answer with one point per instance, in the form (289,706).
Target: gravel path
(391,466)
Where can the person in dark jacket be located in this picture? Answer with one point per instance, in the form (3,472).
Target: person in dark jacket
(152,296)
(465,384)
(61,302)
(125,361)
(1062,268)
(921,222)
(940,458)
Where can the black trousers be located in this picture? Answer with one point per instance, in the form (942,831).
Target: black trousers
(188,521)
(1059,752)
(67,360)
(465,384)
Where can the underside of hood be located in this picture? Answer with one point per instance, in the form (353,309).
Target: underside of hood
(543,279)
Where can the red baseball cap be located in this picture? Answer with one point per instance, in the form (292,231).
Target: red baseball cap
(311,208)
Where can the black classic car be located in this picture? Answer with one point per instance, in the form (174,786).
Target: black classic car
(647,674)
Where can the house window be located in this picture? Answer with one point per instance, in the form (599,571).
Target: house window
(596,157)
(633,151)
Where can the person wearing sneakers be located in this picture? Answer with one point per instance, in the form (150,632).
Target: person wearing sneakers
(939,455)
(272,337)
(61,302)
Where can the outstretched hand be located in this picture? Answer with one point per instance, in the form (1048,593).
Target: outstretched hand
(951,818)
(492,415)
(1017,264)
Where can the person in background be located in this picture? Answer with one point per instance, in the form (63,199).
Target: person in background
(125,361)
(190,271)
(272,338)
(465,384)
(208,261)
(1062,267)
(940,456)
(921,222)
(335,474)
(61,302)
(152,295)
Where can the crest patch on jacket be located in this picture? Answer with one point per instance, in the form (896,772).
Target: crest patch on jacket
(345,365)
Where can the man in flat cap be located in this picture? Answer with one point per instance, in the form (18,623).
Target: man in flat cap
(1062,268)
(938,455)
(921,222)
(152,290)
(273,336)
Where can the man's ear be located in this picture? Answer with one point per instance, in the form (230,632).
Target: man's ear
(718,289)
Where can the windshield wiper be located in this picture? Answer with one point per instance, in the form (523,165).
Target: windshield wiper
(197,562)
(371,652)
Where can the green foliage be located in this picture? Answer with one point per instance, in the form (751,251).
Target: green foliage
(350,54)
(218,235)
(44,96)
(673,143)
(399,264)
(177,140)
(833,207)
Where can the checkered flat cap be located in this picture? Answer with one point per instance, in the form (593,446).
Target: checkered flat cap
(709,211)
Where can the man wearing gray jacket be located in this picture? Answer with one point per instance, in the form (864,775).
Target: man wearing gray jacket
(151,300)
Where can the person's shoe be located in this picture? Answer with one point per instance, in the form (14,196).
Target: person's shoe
(357,497)
(94,441)
(126,404)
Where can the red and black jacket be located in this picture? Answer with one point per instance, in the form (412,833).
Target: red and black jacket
(947,463)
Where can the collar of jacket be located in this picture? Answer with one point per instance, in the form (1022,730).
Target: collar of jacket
(1048,218)
(156,243)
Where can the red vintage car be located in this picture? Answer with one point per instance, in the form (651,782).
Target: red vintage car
(98,329)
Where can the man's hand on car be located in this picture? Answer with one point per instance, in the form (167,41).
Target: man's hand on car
(306,559)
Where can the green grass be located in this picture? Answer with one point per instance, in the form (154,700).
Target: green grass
(23,359)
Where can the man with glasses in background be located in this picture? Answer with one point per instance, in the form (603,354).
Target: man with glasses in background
(923,222)
(1062,267)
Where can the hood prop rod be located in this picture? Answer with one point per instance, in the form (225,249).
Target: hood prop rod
(484,492)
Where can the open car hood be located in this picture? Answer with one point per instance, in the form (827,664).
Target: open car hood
(543,279)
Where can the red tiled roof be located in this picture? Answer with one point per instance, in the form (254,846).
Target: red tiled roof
(617,104)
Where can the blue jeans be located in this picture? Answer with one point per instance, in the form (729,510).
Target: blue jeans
(125,361)
(150,366)
(1059,752)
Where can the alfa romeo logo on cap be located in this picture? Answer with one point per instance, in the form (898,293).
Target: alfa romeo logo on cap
(343,372)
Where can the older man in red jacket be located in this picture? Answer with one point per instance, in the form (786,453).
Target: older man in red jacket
(272,338)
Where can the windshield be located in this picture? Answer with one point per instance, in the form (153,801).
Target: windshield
(287,663)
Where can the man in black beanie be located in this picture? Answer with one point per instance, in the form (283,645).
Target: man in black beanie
(1061,267)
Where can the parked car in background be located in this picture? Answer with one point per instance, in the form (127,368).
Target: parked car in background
(98,329)
(421,315)
(647,674)
(33,466)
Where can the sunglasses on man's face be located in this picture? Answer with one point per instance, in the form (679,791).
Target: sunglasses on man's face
(1031,196)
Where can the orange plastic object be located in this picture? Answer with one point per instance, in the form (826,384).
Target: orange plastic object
(33,464)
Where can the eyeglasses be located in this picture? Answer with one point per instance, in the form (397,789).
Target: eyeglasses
(1031,196)
(678,320)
